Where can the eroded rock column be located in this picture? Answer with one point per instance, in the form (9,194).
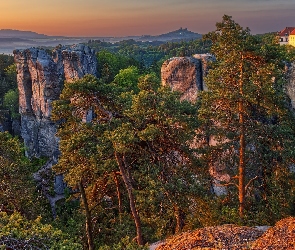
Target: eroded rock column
(40,78)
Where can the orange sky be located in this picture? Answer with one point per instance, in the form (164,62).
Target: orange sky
(139,17)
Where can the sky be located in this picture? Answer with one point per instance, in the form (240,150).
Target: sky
(96,18)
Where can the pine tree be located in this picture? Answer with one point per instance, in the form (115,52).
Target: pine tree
(244,105)
(140,135)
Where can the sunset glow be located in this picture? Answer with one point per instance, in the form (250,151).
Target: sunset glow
(133,17)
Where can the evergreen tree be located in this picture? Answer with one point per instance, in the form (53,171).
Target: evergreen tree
(244,111)
(140,135)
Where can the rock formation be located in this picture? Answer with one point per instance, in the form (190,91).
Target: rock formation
(40,79)
(204,59)
(186,74)
(290,87)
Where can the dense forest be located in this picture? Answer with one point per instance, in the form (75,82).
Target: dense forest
(141,169)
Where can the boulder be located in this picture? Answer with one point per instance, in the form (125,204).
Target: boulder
(281,236)
(183,74)
(186,75)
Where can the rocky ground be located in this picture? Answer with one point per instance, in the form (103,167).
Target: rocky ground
(232,237)
(281,236)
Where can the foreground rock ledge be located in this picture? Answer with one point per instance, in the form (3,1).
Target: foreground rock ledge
(218,237)
(232,237)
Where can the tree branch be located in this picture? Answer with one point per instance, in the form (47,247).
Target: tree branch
(249,183)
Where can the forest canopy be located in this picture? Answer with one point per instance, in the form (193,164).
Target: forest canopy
(139,164)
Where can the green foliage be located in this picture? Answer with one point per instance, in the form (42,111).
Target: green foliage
(245,97)
(7,75)
(10,102)
(10,74)
(147,56)
(5,62)
(69,218)
(109,64)
(124,244)
(148,128)
(16,187)
(126,79)
(16,230)
(185,48)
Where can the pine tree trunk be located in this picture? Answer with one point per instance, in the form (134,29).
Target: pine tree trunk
(118,194)
(129,188)
(179,216)
(88,218)
(242,169)
(242,146)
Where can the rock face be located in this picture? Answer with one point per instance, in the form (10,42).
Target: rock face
(204,59)
(290,87)
(77,62)
(40,79)
(186,74)
(219,237)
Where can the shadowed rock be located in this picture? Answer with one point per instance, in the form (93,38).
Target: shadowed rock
(40,79)
(290,87)
(205,60)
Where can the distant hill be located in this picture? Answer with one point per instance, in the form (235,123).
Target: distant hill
(17,39)
(8,33)
(176,35)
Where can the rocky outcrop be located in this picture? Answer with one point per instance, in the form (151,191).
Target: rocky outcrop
(40,78)
(78,61)
(186,74)
(280,236)
(183,74)
(290,87)
(39,85)
(205,60)
(227,236)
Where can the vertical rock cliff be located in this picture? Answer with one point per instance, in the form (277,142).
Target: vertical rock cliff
(290,87)
(40,78)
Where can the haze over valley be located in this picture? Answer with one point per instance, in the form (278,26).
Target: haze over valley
(15,39)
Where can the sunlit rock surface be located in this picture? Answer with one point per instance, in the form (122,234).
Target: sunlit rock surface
(186,75)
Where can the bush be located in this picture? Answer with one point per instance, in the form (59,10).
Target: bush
(16,232)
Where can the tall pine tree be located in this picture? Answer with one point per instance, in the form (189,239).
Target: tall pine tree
(244,110)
